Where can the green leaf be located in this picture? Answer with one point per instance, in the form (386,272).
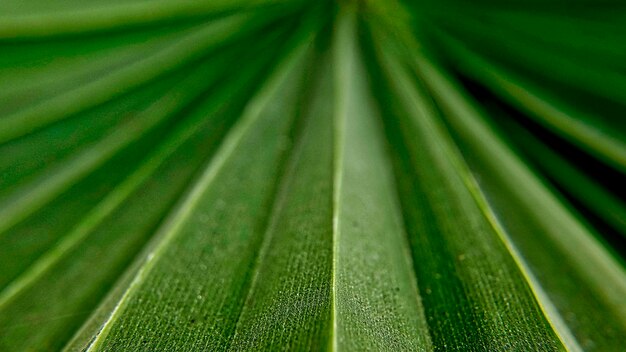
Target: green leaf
(185,248)
(251,175)
(26,20)
(115,228)
(534,219)
(457,245)
(376,303)
(590,132)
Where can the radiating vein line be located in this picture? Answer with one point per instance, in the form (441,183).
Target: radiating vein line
(276,228)
(596,259)
(170,230)
(558,65)
(34,195)
(342,58)
(573,125)
(434,149)
(432,76)
(115,16)
(376,308)
(461,108)
(102,210)
(557,30)
(32,85)
(182,52)
(596,197)
(276,208)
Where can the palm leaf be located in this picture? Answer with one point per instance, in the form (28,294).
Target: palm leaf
(285,175)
